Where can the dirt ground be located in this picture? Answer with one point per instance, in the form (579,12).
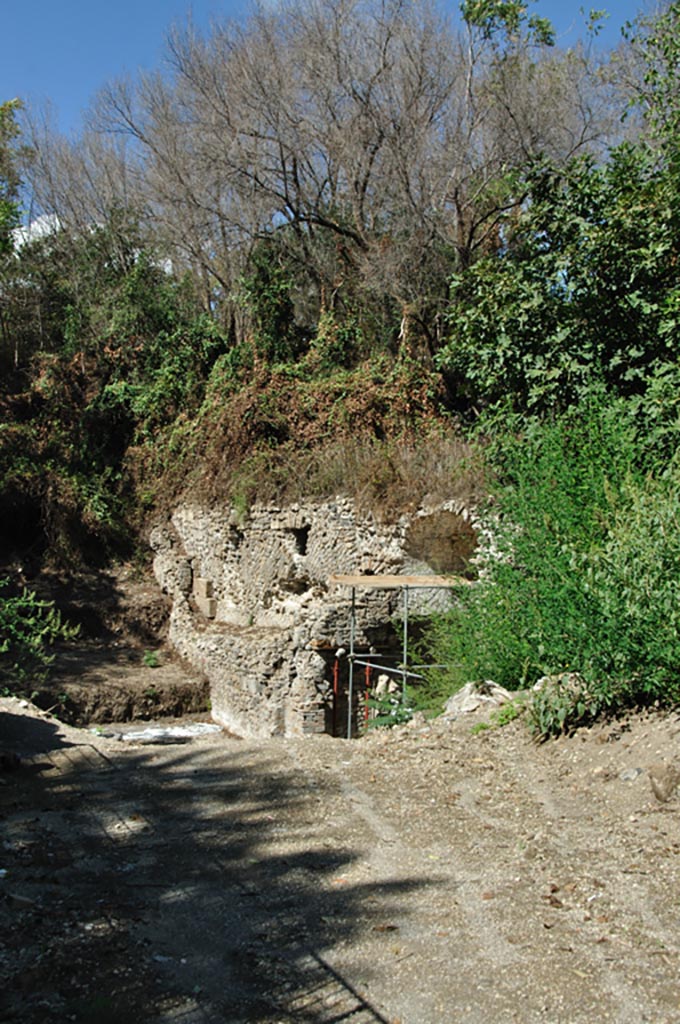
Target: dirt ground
(423,876)
(120,666)
(94,682)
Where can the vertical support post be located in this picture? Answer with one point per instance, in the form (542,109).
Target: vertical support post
(405,648)
(336,692)
(367,695)
(352,632)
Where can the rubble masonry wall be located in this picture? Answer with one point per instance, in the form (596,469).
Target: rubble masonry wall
(253,610)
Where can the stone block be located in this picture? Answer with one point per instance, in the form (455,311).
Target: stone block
(313,721)
(202,587)
(207,606)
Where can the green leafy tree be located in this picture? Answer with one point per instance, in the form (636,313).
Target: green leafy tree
(267,294)
(584,289)
(655,42)
(505,21)
(110,349)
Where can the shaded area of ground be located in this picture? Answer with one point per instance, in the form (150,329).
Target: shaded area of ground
(118,604)
(422,876)
(182,882)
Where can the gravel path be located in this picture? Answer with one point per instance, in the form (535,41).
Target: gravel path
(422,876)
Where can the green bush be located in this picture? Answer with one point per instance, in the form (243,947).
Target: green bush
(578,575)
(390,710)
(635,578)
(28,626)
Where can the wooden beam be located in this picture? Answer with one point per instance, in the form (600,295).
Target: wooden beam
(395,582)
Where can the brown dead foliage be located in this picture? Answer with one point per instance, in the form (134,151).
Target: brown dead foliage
(379,438)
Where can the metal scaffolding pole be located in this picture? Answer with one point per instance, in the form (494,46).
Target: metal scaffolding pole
(352,632)
(404,670)
(393,582)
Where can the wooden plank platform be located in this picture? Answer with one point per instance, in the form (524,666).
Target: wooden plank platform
(395,582)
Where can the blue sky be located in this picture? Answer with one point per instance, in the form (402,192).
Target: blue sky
(64,50)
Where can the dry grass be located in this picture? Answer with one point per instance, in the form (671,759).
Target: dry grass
(382,441)
(388,477)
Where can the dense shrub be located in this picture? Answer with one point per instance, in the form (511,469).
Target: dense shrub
(578,574)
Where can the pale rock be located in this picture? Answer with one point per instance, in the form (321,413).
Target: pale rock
(473,696)
(664,780)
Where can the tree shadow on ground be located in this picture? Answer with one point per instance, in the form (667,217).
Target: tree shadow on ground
(27,735)
(210,882)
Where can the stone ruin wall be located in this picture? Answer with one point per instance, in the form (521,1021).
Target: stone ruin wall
(253,610)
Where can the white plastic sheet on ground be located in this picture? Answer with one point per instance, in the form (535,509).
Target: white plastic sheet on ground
(168,733)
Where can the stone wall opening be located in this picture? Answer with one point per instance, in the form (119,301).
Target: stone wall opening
(446,541)
(300,535)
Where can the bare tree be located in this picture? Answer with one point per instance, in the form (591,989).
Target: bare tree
(378,141)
